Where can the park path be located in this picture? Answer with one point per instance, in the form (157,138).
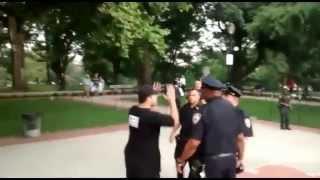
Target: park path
(270,153)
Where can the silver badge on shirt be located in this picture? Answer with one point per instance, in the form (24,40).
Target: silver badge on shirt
(247,121)
(196,118)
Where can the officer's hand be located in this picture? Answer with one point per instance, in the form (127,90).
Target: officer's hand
(180,167)
(239,167)
(171,93)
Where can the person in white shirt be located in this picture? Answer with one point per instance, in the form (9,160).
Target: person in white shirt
(87,84)
(101,85)
(183,82)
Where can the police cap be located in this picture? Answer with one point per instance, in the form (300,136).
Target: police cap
(212,83)
(233,91)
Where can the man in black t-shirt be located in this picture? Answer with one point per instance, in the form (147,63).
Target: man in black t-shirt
(142,154)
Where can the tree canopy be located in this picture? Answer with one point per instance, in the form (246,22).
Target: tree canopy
(149,41)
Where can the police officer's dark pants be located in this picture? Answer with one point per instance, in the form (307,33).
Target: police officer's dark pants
(224,167)
(195,165)
(284,121)
(195,169)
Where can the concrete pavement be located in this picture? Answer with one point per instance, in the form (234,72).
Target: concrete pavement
(270,153)
(102,155)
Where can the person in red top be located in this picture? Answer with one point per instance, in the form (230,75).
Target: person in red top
(290,84)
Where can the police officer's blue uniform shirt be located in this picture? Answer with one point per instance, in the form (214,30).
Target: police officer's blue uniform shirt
(187,115)
(245,119)
(219,130)
(247,123)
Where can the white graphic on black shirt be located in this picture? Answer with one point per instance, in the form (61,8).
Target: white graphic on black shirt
(134,121)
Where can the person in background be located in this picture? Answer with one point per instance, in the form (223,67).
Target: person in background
(197,85)
(183,83)
(95,86)
(178,93)
(284,108)
(87,83)
(101,85)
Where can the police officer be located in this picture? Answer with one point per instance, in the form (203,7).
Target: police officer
(218,131)
(187,114)
(142,154)
(233,94)
(284,107)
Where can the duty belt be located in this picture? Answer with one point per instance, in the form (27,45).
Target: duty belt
(221,155)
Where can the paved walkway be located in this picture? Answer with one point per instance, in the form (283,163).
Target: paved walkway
(84,153)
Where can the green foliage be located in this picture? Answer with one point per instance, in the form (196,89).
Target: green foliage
(250,54)
(74,76)
(292,30)
(129,23)
(270,74)
(128,40)
(4,77)
(57,115)
(35,71)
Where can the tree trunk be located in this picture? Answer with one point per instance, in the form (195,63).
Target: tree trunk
(16,36)
(62,81)
(144,73)
(237,70)
(49,79)
(145,68)
(142,55)
(116,70)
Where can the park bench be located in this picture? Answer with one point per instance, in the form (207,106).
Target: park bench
(122,88)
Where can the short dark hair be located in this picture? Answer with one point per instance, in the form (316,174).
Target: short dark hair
(194,89)
(144,92)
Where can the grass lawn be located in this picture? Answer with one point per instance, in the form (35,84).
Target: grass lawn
(304,115)
(57,115)
(32,88)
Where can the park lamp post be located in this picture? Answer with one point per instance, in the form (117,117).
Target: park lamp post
(231,28)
